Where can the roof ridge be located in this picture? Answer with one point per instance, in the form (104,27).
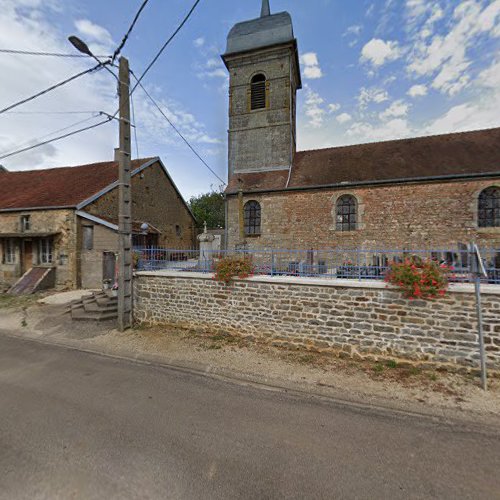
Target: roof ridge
(146,159)
(406,139)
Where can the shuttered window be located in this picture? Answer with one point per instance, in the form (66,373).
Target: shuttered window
(258,92)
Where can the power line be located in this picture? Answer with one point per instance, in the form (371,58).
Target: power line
(51,112)
(53,87)
(55,139)
(177,131)
(125,38)
(46,54)
(79,122)
(165,45)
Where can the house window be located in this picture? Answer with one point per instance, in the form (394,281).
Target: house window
(25,223)
(346,213)
(45,251)
(88,237)
(9,256)
(178,230)
(252,215)
(258,92)
(489,207)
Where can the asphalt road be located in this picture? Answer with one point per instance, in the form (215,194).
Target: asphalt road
(78,425)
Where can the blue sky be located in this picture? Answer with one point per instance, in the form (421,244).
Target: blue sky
(372,70)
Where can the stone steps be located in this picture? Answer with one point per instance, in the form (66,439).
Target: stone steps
(98,306)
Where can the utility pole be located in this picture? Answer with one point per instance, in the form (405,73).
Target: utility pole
(125,203)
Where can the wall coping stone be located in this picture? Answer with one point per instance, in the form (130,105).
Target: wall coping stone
(290,280)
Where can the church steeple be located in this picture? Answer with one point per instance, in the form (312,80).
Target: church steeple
(266,10)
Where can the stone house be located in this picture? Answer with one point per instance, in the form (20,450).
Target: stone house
(421,192)
(66,219)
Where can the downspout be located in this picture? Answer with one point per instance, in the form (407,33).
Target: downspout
(241,216)
(226,232)
(292,135)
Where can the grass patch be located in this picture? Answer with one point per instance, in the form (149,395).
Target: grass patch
(392,364)
(17,301)
(378,368)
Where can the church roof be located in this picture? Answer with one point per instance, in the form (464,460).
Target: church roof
(262,32)
(465,154)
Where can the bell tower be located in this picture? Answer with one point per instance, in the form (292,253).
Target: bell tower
(264,76)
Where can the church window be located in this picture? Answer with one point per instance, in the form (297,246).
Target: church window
(252,218)
(346,213)
(258,92)
(489,207)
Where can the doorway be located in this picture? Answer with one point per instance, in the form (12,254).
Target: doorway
(27,255)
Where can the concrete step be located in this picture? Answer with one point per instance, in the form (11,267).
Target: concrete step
(100,308)
(105,301)
(93,316)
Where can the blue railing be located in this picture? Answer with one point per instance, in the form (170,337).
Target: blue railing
(338,263)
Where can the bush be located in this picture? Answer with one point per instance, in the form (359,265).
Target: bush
(228,268)
(418,278)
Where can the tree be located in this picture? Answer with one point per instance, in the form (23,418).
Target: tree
(209,208)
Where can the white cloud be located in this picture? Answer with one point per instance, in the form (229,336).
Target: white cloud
(354,30)
(397,109)
(199,42)
(312,69)
(333,107)
(94,33)
(344,118)
(378,52)
(314,109)
(397,128)
(446,56)
(417,91)
(376,95)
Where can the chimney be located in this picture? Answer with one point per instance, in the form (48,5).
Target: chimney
(117,154)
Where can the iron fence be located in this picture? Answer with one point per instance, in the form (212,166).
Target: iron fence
(338,263)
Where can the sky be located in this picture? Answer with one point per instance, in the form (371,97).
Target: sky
(372,70)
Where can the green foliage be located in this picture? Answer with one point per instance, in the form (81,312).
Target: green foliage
(418,278)
(231,267)
(209,207)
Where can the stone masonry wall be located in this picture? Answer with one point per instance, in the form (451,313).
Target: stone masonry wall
(62,222)
(399,216)
(154,200)
(359,320)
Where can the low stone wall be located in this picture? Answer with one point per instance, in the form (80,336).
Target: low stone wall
(359,319)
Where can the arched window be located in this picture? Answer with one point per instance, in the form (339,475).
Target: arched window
(258,92)
(346,213)
(252,217)
(489,208)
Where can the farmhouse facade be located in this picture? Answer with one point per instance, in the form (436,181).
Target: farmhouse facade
(65,219)
(429,191)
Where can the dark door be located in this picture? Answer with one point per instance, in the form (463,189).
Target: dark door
(108,266)
(27,259)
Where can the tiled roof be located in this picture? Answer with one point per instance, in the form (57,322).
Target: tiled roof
(57,187)
(457,154)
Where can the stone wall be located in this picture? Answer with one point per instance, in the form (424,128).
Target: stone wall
(355,318)
(62,222)
(262,139)
(155,201)
(425,215)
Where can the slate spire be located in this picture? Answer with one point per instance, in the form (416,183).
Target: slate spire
(266,10)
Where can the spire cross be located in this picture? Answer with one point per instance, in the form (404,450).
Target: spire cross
(266,10)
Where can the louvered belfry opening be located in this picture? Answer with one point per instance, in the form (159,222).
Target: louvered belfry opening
(258,92)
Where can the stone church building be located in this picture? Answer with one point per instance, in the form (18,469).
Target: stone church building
(437,191)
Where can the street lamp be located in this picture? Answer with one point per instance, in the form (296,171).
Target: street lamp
(124,186)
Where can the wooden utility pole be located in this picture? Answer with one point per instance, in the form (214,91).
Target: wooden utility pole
(125,203)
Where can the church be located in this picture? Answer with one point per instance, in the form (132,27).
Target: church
(426,192)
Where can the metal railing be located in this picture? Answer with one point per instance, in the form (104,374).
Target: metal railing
(338,263)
